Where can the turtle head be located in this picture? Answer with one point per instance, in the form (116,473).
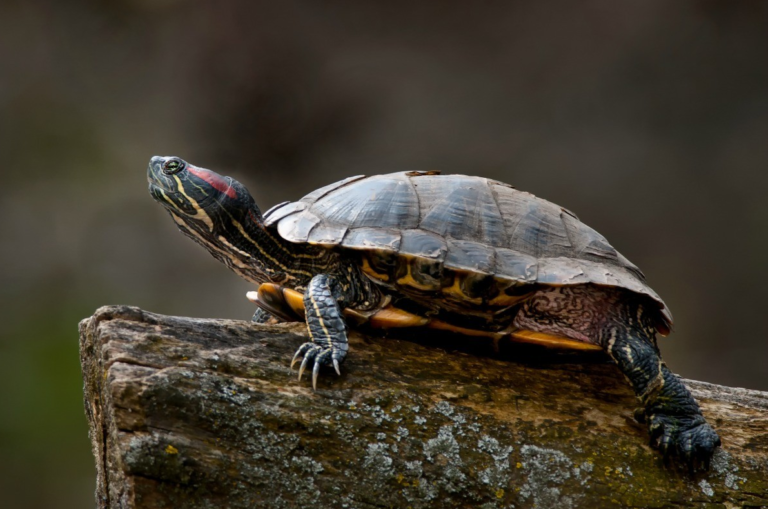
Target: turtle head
(192,193)
(215,211)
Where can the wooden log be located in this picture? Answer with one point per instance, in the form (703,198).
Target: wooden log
(206,413)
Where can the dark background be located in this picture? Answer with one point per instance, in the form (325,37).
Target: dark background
(648,119)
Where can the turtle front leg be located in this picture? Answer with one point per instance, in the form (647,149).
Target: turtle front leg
(674,419)
(327,328)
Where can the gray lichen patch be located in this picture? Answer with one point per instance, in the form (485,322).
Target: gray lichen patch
(376,458)
(724,467)
(547,471)
(498,473)
(443,445)
(445,408)
(706,488)
(444,451)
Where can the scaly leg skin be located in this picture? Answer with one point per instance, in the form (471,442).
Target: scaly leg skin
(327,328)
(263,316)
(674,419)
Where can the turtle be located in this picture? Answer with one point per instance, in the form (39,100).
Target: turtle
(454,252)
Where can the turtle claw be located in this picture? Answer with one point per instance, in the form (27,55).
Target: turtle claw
(688,438)
(301,351)
(303,366)
(315,357)
(315,372)
(295,359)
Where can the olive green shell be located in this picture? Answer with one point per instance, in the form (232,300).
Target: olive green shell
(443,225)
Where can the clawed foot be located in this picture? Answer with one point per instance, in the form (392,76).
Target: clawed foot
(321,356)
(687,437)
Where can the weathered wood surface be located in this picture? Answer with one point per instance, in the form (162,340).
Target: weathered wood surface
(206,413)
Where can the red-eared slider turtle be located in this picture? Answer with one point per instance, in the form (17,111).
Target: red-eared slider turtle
(454,252)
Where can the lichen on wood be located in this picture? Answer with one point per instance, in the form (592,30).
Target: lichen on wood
(206,413)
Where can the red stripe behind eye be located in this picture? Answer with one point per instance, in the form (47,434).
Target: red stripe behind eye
(216,181)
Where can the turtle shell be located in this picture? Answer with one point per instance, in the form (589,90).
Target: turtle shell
(468,239)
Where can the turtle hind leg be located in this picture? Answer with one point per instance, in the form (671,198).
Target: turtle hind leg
(676,425)
(618,322)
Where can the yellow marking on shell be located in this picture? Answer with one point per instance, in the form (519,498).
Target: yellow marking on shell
(550,340)
(391,317)
(408,280)
(456,291)
(198,210)
(367,269)
(504,300)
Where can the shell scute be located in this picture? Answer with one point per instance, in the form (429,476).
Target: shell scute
(378,239)
(517,266)
(327,234)
(532,226)
(587,242)
(467,285)
(423,244)
(469,255)
(274,208)
(282,210)
(384,202)
(297,227)
(463,208)
(561,271)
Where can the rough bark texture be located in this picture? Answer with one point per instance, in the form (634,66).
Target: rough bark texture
(206,413)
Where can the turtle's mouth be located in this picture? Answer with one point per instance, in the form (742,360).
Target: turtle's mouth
(161,187)
(157,180)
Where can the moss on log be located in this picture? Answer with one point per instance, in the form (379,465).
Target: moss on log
(206,413)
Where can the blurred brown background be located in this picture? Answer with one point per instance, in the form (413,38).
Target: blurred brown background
(648,119)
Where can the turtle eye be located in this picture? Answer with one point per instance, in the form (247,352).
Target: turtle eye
(173,165)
